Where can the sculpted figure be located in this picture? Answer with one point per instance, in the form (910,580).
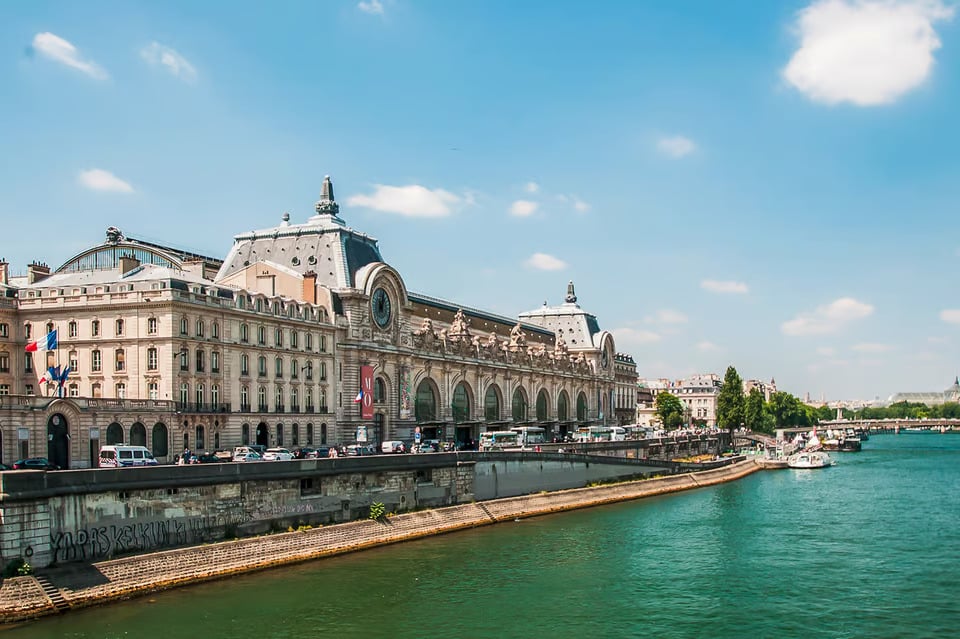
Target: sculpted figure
(517,339)
(458,328)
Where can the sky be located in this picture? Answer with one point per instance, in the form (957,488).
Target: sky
(768,185)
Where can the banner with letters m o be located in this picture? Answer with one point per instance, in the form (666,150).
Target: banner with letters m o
(366,386)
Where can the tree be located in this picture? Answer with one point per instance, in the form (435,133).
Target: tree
(787,410)
(730,402)
(753,410)
(666,405)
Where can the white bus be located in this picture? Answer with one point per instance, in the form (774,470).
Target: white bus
(530,435)
(593,434)
(498,440)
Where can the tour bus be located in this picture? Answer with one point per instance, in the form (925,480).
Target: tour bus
(125,456)
(498,440)
(529,435)
(618,433)
(593,434)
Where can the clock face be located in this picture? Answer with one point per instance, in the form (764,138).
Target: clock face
(380,302)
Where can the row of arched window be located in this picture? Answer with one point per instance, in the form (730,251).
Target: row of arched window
(425,405)
(137,436)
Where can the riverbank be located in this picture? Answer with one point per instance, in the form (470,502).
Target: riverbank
(76,586)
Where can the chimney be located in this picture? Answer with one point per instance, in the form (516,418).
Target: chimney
(4,271)
(127,263)
(37,271)
(310,287)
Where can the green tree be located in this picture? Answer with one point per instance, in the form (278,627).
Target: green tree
(787,410)
(731,402)
(753,410)
(666,405)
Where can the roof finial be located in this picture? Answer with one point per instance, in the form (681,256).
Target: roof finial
(327,204)
(571,295)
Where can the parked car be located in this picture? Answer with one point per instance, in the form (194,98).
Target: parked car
(277,454)
(248,456)
(355,450)
(34,463)
(393,446)
(305,453)
(208,458)
(5,467)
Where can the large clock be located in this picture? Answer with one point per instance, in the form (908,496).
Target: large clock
(380,302)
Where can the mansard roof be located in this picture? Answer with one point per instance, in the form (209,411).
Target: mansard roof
(580,329)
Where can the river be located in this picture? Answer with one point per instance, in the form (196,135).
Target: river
(867,548)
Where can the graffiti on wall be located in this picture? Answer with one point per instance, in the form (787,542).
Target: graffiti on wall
(110,540)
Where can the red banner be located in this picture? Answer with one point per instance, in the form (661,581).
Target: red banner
(366,387)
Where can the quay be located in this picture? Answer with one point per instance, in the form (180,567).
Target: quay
(75,586)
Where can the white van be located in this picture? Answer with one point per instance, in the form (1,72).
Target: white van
(393,447)
(124,456)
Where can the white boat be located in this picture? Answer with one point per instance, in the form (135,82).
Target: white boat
(809,459)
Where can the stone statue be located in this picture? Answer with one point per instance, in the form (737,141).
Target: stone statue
(424,334)
(517,339)
(560,348)
(458,328)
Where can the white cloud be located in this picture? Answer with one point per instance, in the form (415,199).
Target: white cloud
(156,53)
(676,146)
(100,180)
(59,50)
(373,7)
(411,201)
(524,208)
(580,205)
(625,337)
(866,52)
(950,315)
(827,319)
(667,316)
(544,262)
(871,347)
(707,347)
(826,351)
(725,286)
(531,187)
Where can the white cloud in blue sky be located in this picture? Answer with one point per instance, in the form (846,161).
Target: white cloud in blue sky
(373,7)
(410,201)
(864,52)
(676,146)
(524,208)
(828,318)
(101,180)
(725,287)
(545,262)
(59,50)
(157,54)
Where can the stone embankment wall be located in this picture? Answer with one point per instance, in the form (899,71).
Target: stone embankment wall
(72,587)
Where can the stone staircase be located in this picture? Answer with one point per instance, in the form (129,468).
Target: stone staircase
(53,593)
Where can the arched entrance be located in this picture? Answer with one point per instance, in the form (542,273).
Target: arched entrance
(138,435)
(263,434)
(114,434)
(425,409)
(58,440)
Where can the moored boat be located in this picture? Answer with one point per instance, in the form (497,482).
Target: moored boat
(809,459)
(843,444)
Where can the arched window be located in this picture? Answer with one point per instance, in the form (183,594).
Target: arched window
(293,339)
(461,403)
(491,405)
(119,327)
(309,434)
(215,395)
(201,443)
(519,405)
(215,330)
(199,329)
(184,393)
(294,369)
(138,435)
(294,399)
(295,435)
(119,360)
(542,406)
(152,359)
(94,328)
(114,434)
(183,325)
(72,329)
(262,399)
(278,366)
(244,364)
(279,434)
(199,394)
(261,336)
(245,434)
(425,407)
(278,399)
(581,407)
(160,448)
(244,399)
(121,390)
(562,407)
(262,366)
(199,357)
(379,391)
(278,337)
(244,333)
(215,362)
(323,433)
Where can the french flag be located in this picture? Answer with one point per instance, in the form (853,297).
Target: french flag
(46,343)
(359,397)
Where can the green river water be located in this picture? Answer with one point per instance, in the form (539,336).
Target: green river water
(867,548)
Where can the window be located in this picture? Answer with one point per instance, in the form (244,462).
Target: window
(244,333)
(4,389)
(121,390)
(244,398)
(323,371)
(199,395)
(29,389)
(309,374)
(183,325)
(323,400)
(96,390)
(294,400)
(119,328)
(214,394)
(119,360)
(160,440)
(151,359)
(28,331)
(4,330)
(245,434)
(72,329)
(199,357)
(379,391)
(323,433)
(200,440)
(199,328)
(262,366)
(152,326)
(294,369)
(261,336)
(279,434)
(278,366)
(308,399)
(309,434)
(323,343)
(153,390)
(73,390)
(72,359)
(244,364)
(293,339)
(278,337)
(278,399)
(295,435)
(262,399)
(95,361)
(184,392)
(50,326)
(4,362)
(28,362)
(215,330)
(215,362)
(94,328)
(308,342)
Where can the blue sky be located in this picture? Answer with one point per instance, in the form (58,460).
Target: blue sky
(765,184)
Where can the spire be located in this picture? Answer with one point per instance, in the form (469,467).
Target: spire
(571,295)
(327,204)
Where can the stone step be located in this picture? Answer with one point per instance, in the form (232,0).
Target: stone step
(53,593)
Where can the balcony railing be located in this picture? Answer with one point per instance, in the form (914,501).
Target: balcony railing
(262,408)
(308,409)
(279,409)
(245,408)
(195,407)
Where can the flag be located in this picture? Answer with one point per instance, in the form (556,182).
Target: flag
(359,397)
(46,343)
